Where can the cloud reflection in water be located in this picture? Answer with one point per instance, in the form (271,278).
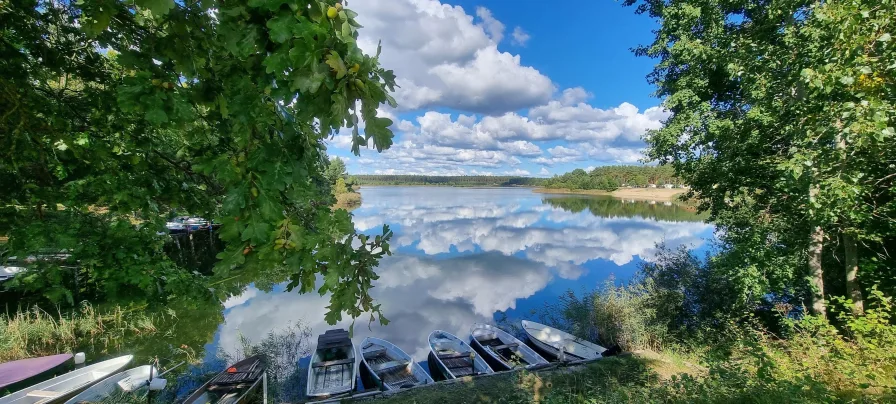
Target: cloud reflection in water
(464,254)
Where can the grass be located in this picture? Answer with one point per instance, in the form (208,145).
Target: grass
(35,332)
(616,379)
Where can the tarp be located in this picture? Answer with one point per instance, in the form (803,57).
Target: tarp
(16,371)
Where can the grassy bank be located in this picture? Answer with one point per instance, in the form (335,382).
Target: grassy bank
(616,379)
(35,332)
(347,201)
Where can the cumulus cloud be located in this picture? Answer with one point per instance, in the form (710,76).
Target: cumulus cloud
(493,27)
(520,37)
(446,59)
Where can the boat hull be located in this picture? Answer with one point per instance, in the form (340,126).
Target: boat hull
(462,362)
(507,343)
(321,370)
(559,344)
(17,375)
(215,391)
(61,388)
(370,377)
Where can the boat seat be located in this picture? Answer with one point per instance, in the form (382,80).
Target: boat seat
(499,347)
(43,394)
(374,353)
(333,363)
(454,355)
(388,365)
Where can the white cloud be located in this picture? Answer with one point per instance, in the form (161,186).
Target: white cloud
(493,27)
(544,172)
(517,172)
(520,37)
(445,59)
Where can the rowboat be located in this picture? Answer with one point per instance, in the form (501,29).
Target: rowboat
(333,366)
(19,374)
(124,382)
(234,385)
(389,367)
(7,273)
(454,357)
(562,345)
(61,388)
(503,348)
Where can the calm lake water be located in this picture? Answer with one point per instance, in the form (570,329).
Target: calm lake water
(464,255)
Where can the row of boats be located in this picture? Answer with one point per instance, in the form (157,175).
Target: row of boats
(335,366)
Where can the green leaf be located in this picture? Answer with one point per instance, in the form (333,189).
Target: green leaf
(347,31)
(156,116)
(335,63)
(378,129)
(281,27)
(256,231)
(158,7)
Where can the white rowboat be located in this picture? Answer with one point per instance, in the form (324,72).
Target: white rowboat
(389,366)
(503,347)
(334,366)
(564,346)
(59,389)
(124,382)
(454,357)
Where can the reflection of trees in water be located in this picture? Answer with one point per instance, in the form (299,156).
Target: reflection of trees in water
(281,350)
(610,207)
(196,250)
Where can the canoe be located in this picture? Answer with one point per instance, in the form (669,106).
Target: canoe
(124,382)
(454,357)
(61,388)
(562,345)
(503,348)
(19,374)
(333,367)
(233,385)
(389,367)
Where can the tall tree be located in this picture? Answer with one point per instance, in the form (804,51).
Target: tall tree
(335,170)
(219,107)
(782,123)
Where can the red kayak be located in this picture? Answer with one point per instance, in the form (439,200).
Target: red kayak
(18,374)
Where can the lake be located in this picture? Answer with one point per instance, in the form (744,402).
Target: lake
(466,255)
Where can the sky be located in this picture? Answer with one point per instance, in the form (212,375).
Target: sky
(501,87)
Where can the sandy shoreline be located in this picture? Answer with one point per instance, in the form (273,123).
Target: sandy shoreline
(640,194)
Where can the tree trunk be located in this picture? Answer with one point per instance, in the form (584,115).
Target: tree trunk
(816,278)
(853,289)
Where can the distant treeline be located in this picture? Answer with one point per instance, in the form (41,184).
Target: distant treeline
(458,181)
(609,178)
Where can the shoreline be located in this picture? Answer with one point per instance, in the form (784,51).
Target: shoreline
(638,194)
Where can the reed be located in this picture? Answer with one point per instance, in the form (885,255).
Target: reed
(32,332)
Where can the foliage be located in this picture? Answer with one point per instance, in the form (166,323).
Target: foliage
(34,332)
(609,178)
(782,122)
(219,108)
(460,181)
(339,188)
(336,170)
(348,201)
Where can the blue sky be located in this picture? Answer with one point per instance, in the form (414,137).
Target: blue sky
(508,87)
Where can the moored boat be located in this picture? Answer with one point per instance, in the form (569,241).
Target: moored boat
(454,357)
(61,388)
(128,381)
(19,374)
(333,367)
(234,385)
(562,345)
(388,367)
(503,348)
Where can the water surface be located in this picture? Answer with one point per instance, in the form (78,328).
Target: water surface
(465,255)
